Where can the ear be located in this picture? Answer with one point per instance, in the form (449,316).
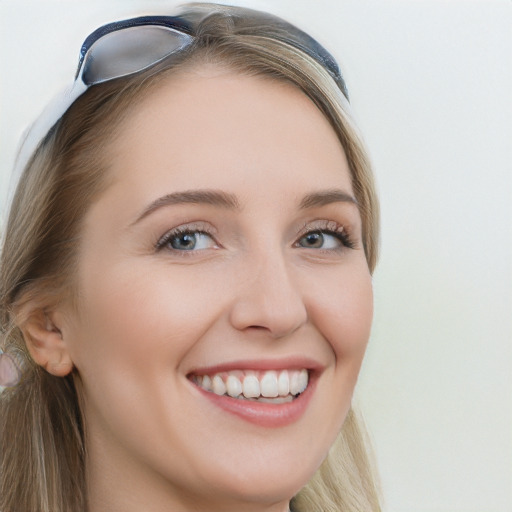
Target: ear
(45,342)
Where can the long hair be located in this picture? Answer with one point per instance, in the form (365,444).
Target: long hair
(42,449)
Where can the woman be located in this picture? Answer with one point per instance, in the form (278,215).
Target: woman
(186,278)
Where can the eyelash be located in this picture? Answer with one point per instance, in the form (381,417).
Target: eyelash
(330,228)
(165,241)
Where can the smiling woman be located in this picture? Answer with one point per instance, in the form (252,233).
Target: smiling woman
(189,303)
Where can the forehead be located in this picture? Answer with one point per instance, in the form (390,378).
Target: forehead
(212,127)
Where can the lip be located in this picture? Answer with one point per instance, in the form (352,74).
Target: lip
(291,363)
(259,413)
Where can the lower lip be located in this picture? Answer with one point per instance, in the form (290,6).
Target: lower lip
(264,414)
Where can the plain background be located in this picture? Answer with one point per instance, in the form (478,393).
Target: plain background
(430,84)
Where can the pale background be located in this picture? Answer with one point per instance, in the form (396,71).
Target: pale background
(430,83)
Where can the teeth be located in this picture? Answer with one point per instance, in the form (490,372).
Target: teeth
(298,382)
(207,383)
(270,386)
(251,386)
(283,383)
(218,386)
(233,386)
(303,380)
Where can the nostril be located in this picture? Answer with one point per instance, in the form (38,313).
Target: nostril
(276,309)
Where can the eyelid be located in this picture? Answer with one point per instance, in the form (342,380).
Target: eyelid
(334,228)
(189,227)
(331,227)
(321,225)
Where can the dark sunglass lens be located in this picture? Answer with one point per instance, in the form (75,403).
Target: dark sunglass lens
(129,51)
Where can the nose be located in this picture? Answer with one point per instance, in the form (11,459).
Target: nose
(269,298)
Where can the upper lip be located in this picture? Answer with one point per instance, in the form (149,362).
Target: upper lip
(288,363)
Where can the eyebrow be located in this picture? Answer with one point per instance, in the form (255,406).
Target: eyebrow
(229,201)
(210,197)
(325,197)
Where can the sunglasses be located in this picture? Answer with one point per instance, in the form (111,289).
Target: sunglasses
(126,47)
(123,48)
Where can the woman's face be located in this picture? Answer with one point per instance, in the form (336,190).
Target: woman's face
(225,257)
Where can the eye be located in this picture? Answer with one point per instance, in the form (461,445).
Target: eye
(321,240)
(186,240)
(326,236)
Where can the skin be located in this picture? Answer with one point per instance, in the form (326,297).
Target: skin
(250,291)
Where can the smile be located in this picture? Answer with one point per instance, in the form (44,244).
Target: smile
(270,386)
(270,394)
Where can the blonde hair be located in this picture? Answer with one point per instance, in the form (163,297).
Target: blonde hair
(42,451)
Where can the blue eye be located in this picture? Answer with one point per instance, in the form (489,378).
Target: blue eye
(187,240)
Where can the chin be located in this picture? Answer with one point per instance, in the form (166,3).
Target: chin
(268,481)
(263,490)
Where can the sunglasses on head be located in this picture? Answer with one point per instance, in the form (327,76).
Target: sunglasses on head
(126,47)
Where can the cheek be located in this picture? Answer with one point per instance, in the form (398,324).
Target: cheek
(135,329)
(124,321)
(145,313)
(347,325)
(343,314)
(128,316)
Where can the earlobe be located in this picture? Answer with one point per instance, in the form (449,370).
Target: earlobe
(46,344)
